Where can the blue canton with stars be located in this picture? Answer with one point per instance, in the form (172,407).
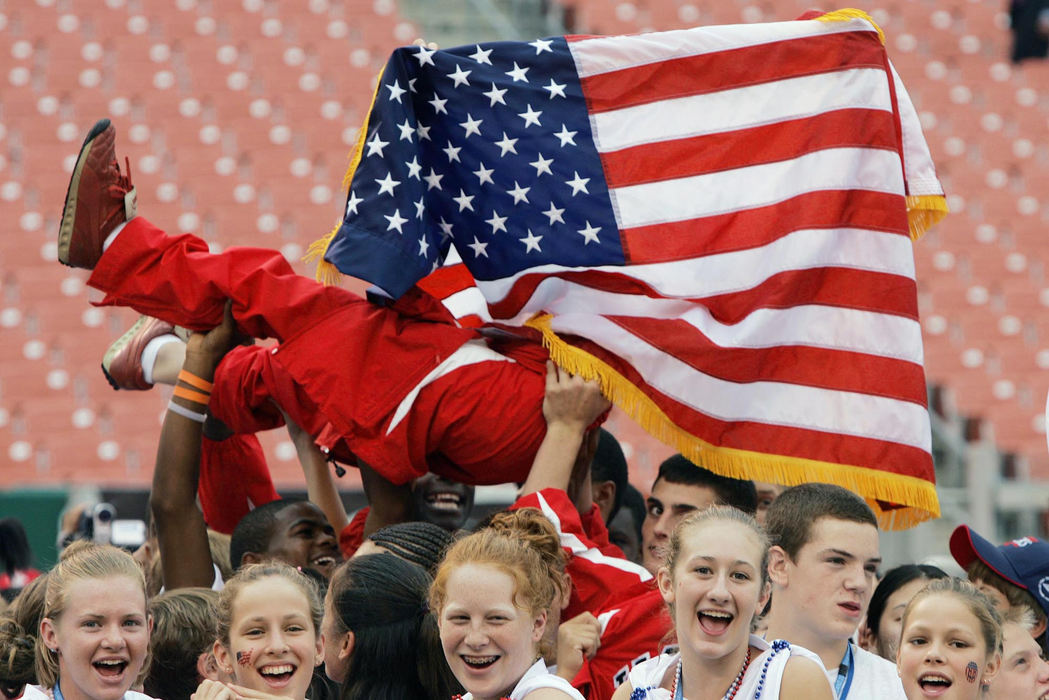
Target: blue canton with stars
(488,146)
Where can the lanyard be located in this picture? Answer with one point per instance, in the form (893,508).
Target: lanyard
(58,693)
(845,671)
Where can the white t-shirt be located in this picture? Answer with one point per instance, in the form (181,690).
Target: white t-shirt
(35,692)
(536,677)
(765,669)
(875,678)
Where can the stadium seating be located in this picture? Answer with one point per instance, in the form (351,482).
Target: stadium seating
(237,117)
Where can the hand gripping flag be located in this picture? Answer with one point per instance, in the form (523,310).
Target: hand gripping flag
(715,222)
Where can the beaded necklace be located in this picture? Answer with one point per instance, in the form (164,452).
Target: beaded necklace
(732,689)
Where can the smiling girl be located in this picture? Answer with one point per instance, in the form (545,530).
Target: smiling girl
(950,647)
(492,595)
(94,635)
(268,634)
(714,581)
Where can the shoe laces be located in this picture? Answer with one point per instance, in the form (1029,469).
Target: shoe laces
(121,185)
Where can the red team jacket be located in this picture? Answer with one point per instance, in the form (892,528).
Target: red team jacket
(635,624)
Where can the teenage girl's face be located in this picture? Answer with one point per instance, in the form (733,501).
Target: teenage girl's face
(942,651)
(101,637)
(891,621)
(273,645)
(488,641)
(715,587)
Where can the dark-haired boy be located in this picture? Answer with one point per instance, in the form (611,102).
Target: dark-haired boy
(680,488)
(1014,575)
(822,564)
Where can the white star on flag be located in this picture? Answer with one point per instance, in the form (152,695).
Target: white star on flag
(578,184)
(452,152)
(424,247)
(518,73)
(541,45)
(352,202)
(531,242)
(459,76)
(423,131)
(414,168)
(555,89)
(407,130)
(554,214)
(376,145)
(530,117)
(484,175)
(589,234)
(433,180)
(463,200)
(438,105)
(498,223)
(446,228)
(472,126)
(542,165)
(420,208)
(495,95)
(565,136)
(478,248)
(396,91)
(395,221)
(507,145)
(424,56)
(520,194)
(481,56)
(387,184)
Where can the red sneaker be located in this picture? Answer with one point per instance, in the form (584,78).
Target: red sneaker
(99,198)
(122,363)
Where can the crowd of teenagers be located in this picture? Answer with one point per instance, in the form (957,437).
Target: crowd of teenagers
(711,587)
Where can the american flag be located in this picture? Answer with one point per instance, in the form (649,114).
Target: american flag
(714,221)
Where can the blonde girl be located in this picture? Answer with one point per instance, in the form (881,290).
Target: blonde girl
(268,635)
(715,581)
(94,634)
(951,642)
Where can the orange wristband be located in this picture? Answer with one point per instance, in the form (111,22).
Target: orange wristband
(190,395)
(195,381)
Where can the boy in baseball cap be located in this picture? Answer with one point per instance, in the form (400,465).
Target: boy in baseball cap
(1013,575)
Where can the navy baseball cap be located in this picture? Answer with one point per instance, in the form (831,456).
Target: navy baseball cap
(1023,562)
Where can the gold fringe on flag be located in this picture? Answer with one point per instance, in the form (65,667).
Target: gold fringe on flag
(327,273)
(918,496)
(848,13)
(924,212)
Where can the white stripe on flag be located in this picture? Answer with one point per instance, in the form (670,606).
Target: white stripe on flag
(606,54)
(711,275)
(745,188)
(832,328)
(742,108)
(467,302)
(791,405)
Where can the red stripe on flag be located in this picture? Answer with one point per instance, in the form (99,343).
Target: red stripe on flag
(752,228)
(734,68)
(792,364)
(828,286)
(775,439)
(446,281)
(769,143)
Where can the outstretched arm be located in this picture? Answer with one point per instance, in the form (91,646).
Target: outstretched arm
(320,484)
(181,531)
(571,405)
(388,503)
